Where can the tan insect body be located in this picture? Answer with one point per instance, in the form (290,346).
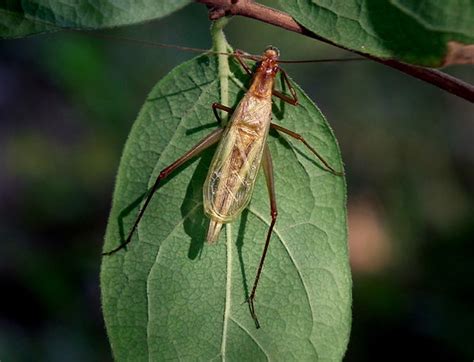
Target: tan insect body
(231,178)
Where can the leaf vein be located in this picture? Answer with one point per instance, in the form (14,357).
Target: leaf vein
(148,327)
(252,337)
(176,134)
(228,290)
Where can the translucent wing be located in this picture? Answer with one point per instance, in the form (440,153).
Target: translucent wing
(234,168)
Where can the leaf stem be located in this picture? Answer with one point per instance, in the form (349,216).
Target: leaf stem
(220,45)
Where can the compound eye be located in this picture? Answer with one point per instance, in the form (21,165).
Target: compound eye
(272,49)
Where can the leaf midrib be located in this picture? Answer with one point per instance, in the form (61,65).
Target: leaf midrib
(228,290)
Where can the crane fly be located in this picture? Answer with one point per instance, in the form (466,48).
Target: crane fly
(241,150)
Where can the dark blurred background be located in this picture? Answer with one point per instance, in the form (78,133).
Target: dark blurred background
(67,102)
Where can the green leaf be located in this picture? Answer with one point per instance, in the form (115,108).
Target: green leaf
(14,22)
(454,17)
(411,31)
(170,295)
(43,15)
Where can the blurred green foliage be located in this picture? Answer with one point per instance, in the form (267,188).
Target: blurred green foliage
(67,102)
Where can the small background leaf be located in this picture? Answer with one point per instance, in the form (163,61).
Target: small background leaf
(20,18)
(14,22)
(170,296)
(412,31)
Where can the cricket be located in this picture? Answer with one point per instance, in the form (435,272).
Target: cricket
(241,152)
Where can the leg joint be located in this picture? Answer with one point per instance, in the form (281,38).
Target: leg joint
(274,214)
(164,174)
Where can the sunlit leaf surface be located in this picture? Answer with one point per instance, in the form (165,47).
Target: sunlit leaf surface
(170,296)
(412,31)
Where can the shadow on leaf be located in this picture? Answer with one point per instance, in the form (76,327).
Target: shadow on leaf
(195,222)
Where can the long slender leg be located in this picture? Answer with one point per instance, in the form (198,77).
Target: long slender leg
(205,143)
(268,171)
(244,65)
(300,138)
(293,99)
(216,106)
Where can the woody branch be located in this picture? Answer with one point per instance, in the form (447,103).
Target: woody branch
(251,9)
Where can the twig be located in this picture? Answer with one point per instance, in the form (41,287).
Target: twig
(250,9)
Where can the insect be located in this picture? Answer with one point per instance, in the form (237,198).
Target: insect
(241,150)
